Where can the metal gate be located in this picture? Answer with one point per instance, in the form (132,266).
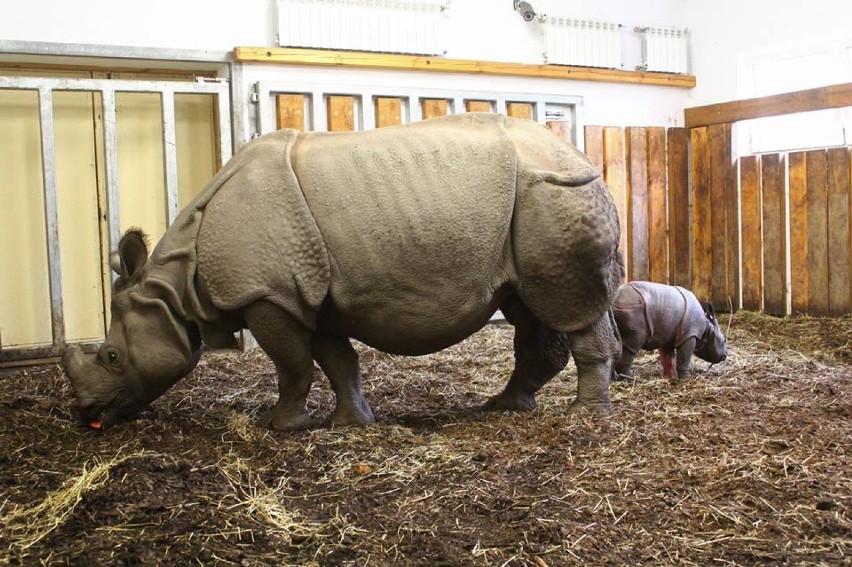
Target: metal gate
(45,88)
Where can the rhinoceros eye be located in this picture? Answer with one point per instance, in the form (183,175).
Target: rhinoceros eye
(111,356)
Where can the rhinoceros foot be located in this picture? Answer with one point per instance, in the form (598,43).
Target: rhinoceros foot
(285,417)
(356,414)
(600,409)
(506,401)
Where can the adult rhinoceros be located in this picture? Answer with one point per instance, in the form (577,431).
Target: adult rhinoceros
(405,238)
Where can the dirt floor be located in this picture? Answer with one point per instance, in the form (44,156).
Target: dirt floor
(749,462)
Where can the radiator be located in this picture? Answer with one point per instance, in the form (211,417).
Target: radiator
(584,43)
(389,26)
(665,49)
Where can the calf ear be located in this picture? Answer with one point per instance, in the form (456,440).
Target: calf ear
(708,309)
(131,256)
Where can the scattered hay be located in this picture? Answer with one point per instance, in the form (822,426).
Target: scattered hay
(745,463)
(26,526)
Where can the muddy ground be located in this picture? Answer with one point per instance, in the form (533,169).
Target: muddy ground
(749,462)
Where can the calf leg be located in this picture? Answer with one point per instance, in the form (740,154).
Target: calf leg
(287,342)
(594,348)
(339,361)
(684,359)
(540,354)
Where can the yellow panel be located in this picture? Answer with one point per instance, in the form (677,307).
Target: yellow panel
(196,144)
(77,198)
(141,176)
(24,289)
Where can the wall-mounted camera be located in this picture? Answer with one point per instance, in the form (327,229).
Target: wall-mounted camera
(525,9)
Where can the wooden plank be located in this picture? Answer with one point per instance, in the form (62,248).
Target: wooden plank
(290,111)
(658,269)
(798,169)
(677,147)
(562,128)
(323,57)
(839,233)
(834,96)
(723,219)
(774,235)
(388,111)
(522,110)
(478,106)
(817,233)
(593,143)
(615,177)
(432,107)
(751,230)
(637,202)
(702,254)
(341,113)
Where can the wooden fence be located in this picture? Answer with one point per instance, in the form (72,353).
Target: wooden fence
(770,232)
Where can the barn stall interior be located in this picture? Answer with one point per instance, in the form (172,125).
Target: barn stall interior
(726,153)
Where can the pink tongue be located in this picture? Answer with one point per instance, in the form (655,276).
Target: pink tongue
(96,425)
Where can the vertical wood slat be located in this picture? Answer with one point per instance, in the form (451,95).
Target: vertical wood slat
(615,177)
(523,110)
(341,113)
(839,235)
(702,258)
(678,207)
(657,228)
(798,169)
(817,200)
(388,111)
(478,106)
(751,231)
(636,156)
(723,236)
(593,144)
(432,107)
(290,111)
(774,222)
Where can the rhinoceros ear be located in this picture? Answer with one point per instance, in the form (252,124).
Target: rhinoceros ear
(131,256)
(708,310)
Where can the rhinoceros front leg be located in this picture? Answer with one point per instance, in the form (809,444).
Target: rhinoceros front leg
(595,349)
(287,342)
(684,359)
(339,361)
(540,354)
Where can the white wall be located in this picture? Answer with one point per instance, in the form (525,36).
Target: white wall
(726,33)
(723,33)
(479,29)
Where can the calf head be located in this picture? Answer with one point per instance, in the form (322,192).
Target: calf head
(147,349)
(711,346)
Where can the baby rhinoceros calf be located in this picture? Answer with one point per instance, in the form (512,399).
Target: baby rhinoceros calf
(669,318)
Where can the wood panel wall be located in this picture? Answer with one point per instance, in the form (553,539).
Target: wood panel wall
(646,169)
(819,235)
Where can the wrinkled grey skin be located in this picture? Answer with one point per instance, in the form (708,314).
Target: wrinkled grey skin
(669,318)
(406,238)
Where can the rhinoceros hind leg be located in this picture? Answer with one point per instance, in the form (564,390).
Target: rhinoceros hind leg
(540,354)
(339,361)
(287,342)
(594,348)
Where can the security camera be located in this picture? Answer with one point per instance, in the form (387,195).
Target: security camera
(524,9)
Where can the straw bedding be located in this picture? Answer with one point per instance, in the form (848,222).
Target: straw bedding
(747,462)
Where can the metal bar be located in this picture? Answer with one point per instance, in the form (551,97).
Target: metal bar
(319,114)
(51,215)
(265,110)
(368,111)
(115,85)
(240,105)
(170,156)
(226,142)
(113,51)
(111,168)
